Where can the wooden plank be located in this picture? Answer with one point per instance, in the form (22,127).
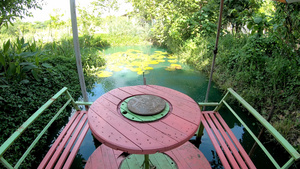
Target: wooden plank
(103,157)
(221,141)
(236,142)
(120,94)
(133,134)
(108,105)
(167,131)
(181,125)
(215,143)
(57,141)
(110,132)
(112,98)
(177,158)
(71,141)
(131,90)
(188,156)
(76,147)
(96,159)
(228,141)
(62,144)
(109,158)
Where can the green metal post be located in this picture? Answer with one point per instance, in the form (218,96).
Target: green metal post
(32,118)
(41,134)
(146,162)
(5,163)
(73,102)
(287,146)
(221,102)
(253,136)
(200,131)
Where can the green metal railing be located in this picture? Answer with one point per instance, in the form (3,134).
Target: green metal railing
(295,156)
(29,121)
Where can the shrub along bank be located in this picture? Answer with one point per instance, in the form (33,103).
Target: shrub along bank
(262,69)
(30,74)
(258,55)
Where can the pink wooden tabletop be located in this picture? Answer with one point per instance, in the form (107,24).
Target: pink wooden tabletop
(111,128)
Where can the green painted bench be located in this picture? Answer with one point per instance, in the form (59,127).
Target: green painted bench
(228,148)
(66,146)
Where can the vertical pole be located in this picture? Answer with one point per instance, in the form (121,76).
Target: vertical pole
(215,51)
(147,164)
(77,50)
(144,78)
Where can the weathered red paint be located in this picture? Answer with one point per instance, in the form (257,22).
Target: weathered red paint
(113,129)
(232,154)
(187,156)
(61,144)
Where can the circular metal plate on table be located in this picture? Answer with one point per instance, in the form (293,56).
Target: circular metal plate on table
(143,108)
(146,105)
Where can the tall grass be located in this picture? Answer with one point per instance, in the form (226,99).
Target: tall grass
(262,69)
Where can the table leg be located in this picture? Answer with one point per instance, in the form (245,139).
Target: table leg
(147,161)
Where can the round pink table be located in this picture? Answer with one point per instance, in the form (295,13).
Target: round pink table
(111,128)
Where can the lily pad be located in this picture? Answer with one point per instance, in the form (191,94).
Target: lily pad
(148,68)
(170,68)
(104,74)
(172,61)
(176,66)
(154,62)
(172,57)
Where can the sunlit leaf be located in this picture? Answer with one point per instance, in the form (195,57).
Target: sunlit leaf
(47,65)
(170,68)
(161,60)
(104,74)
(172,57)
(176,66)
(153,62)
(148,68)
(172,61)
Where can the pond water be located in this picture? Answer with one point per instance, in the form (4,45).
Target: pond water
(125,67)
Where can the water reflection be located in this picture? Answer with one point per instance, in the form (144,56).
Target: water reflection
(184,79)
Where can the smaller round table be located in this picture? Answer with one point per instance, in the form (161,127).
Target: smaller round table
(113,129)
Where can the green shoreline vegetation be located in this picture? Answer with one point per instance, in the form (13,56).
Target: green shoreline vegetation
(258,52)
(33,69)
(258,57)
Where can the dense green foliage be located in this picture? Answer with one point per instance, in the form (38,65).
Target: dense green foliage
(20,100)
(12,9)
(258,56)
(258,52)
(37,60)
(30,74)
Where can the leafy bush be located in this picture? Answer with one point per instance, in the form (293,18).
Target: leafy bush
(93,41)
(21,96)
(19,61)
(19,101)
(262,69)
